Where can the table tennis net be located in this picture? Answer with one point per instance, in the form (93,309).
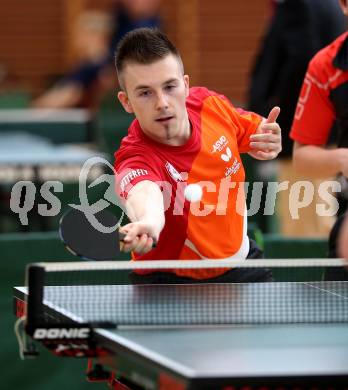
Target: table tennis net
(100,295)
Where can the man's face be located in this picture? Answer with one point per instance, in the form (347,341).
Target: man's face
(156,93)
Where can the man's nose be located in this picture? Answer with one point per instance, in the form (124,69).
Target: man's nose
(161,102)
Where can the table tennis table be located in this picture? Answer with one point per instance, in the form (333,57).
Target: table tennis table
(58,125)
(294,347)
(30,157)
(26,156)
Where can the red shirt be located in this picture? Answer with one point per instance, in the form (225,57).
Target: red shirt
(323,96)
(210,157)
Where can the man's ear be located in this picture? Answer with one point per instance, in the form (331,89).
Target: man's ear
(123,98)
(344,6)
(187,84)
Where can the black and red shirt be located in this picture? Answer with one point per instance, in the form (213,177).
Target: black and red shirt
(324,97)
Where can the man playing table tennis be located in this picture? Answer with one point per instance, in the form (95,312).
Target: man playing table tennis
(179,169)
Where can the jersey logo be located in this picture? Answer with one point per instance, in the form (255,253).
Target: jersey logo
(227,157)
(173,172)
(220,144)
(132,175)
(233,169)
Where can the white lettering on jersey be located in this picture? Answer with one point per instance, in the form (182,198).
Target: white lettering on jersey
(220,144)
(233,169)
(132,175)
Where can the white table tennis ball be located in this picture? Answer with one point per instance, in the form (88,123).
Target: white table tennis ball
(193,192)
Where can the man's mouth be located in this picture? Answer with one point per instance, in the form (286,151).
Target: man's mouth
(164,118)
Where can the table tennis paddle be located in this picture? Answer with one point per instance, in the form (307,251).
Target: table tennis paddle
(83,240)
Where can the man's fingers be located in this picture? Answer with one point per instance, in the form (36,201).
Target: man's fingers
(146,247)
(273,115)
(142,243)
(265,146)
(130,231)
(135,240)
(265,137)
(270,128)
(266,155)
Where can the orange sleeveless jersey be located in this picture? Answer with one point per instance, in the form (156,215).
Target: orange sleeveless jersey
(215,227)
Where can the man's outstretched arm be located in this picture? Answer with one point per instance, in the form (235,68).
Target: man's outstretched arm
(144,207)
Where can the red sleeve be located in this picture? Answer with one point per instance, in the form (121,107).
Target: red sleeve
(315,113)
(130,171)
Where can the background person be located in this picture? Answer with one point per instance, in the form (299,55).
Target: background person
(323,100)
(297,30)
(96,36)
(83,86)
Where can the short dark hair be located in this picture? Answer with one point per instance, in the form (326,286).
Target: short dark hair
(143,46)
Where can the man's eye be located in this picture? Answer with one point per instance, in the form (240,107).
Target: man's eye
(169,87)
(145,93)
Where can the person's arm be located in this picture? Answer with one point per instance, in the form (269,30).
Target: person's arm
(70,90)
(63,96)
(145,209)
(319,162)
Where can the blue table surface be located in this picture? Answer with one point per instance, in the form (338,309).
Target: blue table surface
(236,350)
